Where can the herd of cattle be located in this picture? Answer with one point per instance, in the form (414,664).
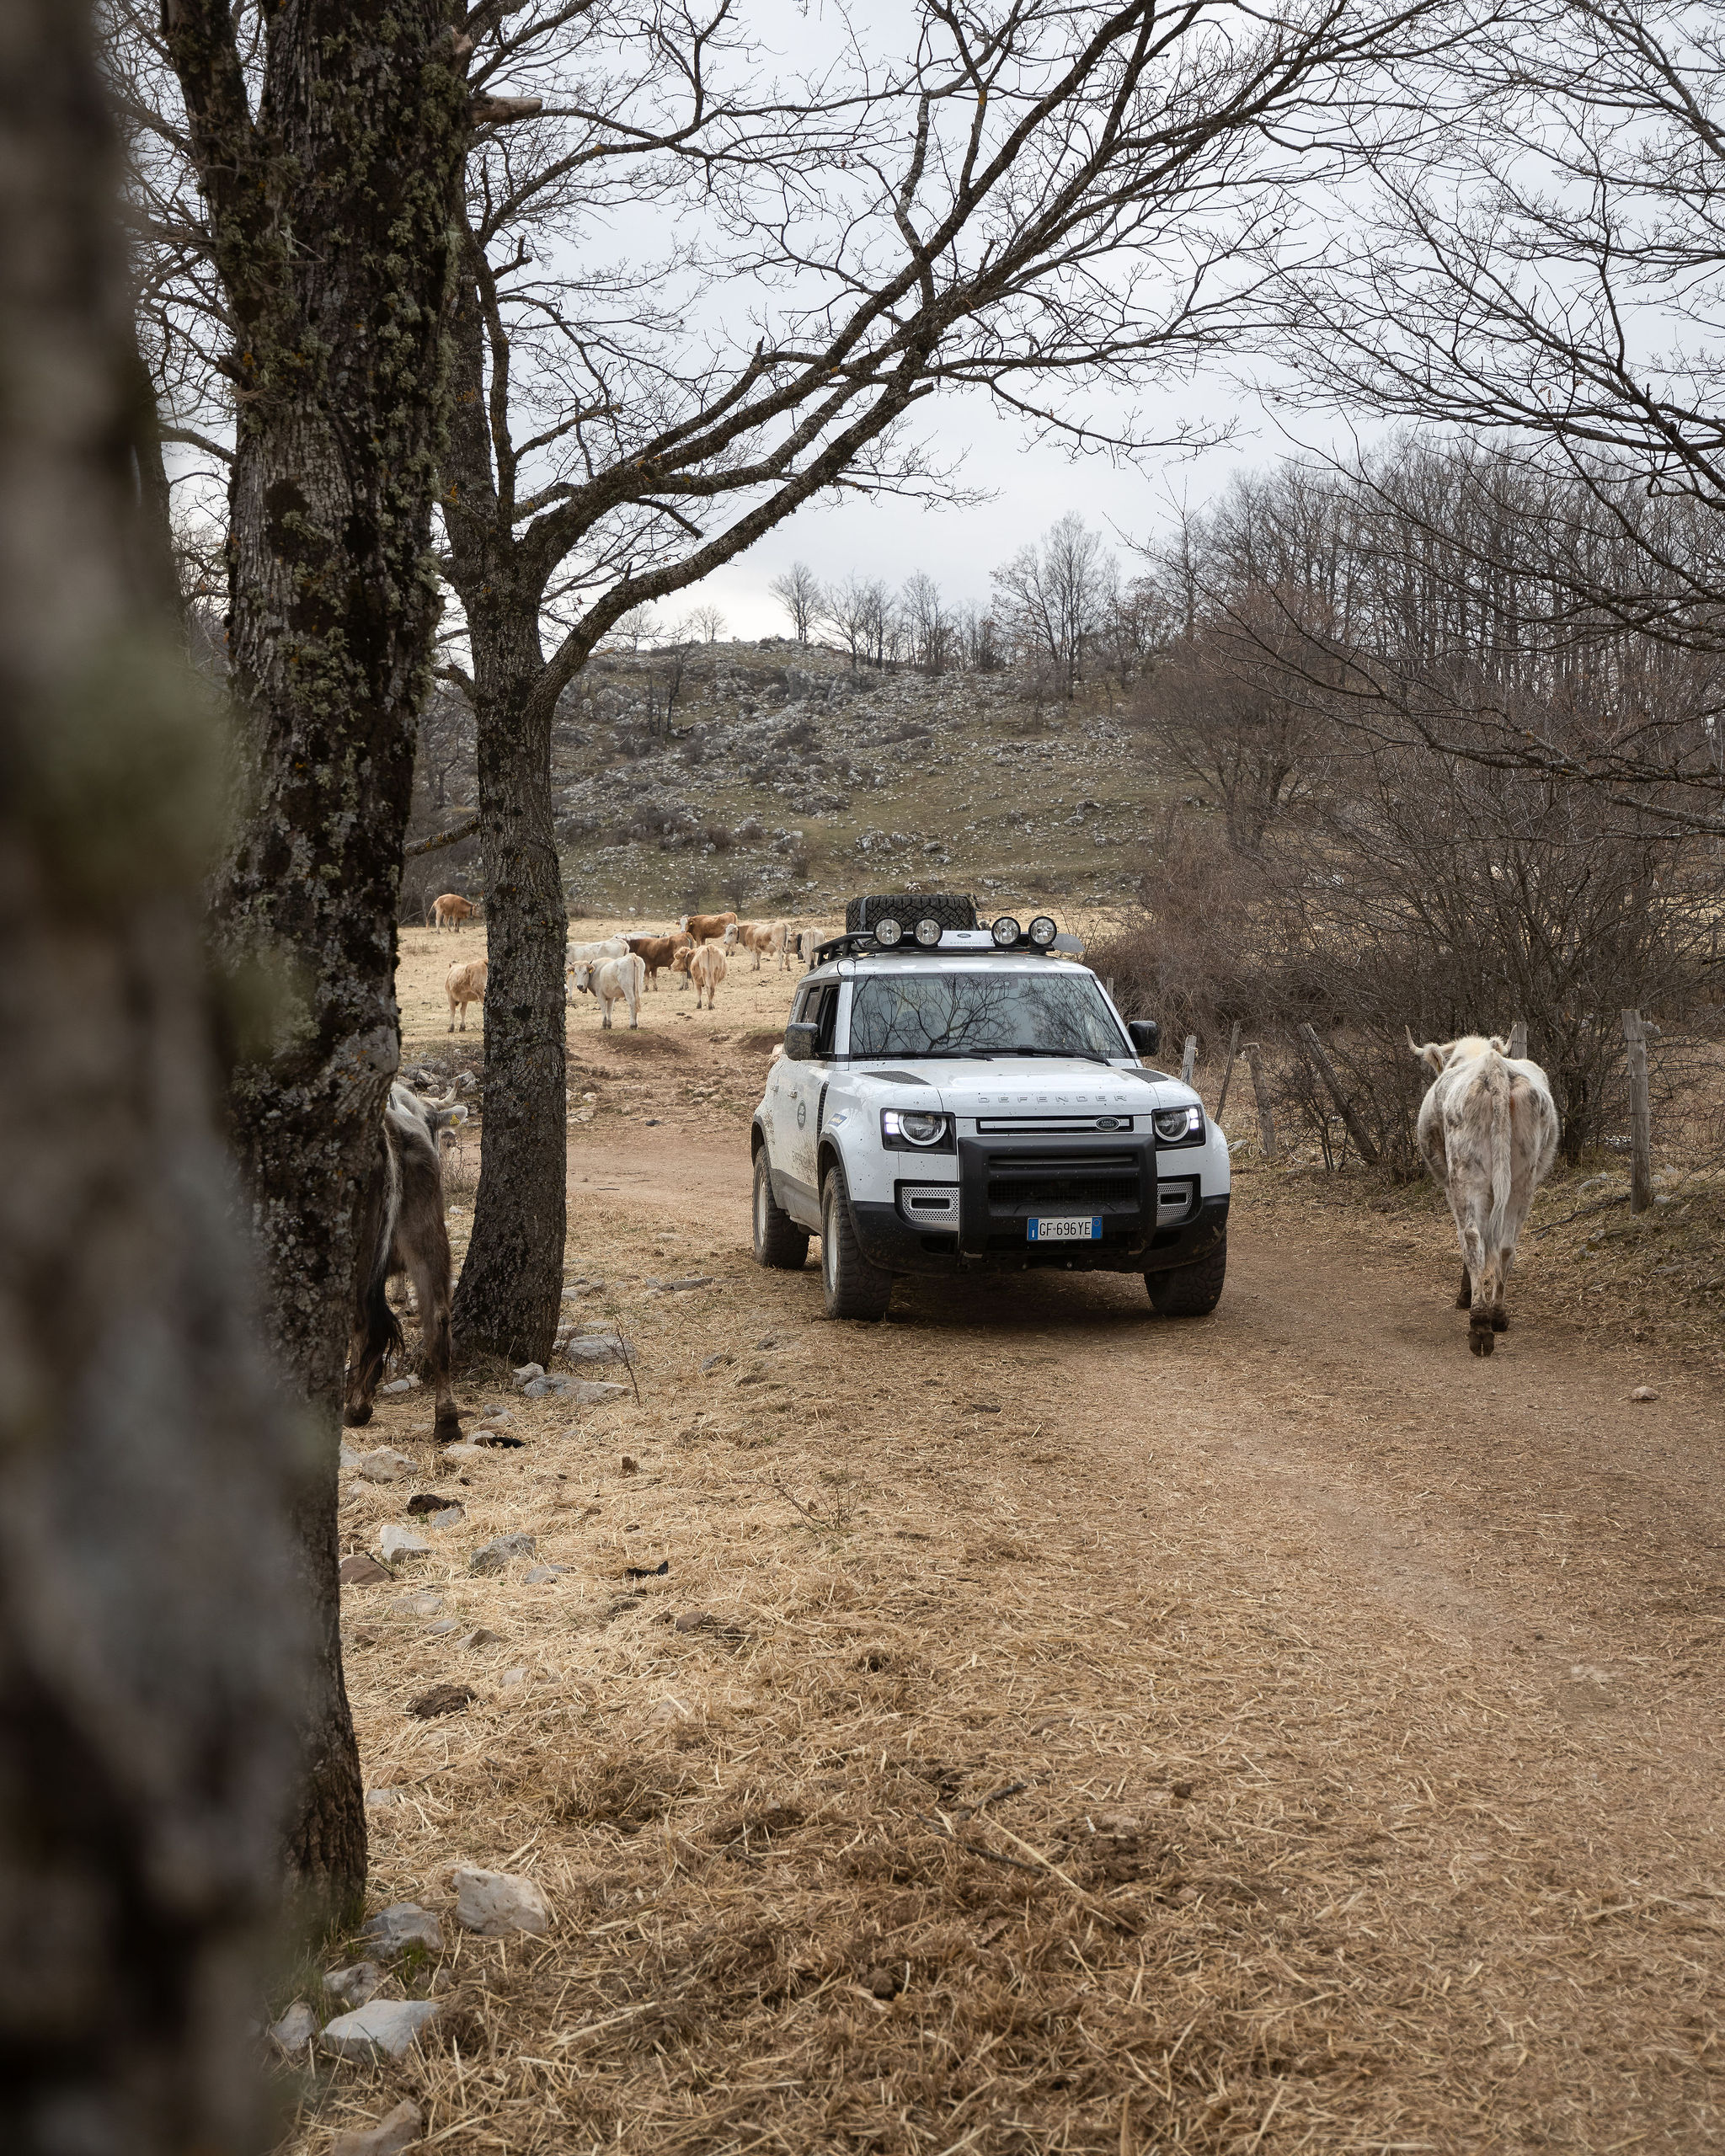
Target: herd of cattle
(619,968)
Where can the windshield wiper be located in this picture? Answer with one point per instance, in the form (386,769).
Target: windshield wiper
(1078,1055)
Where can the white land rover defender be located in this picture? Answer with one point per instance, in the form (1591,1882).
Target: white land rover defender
(956,1096)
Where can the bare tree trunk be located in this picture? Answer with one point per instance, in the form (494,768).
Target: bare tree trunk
(331,219)
(150,1629)
(510,1290)
(510,1287)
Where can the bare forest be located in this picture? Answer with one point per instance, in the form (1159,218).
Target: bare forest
(1030,1722)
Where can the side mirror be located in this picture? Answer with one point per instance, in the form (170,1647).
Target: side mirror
(1146,1035)
(799,1042)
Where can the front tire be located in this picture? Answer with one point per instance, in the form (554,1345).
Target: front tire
(1190,1290)
(779,1242)
(852,1286)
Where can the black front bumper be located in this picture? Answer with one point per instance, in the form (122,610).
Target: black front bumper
(1004,1181)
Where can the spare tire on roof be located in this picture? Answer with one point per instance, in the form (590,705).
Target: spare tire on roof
(949,909)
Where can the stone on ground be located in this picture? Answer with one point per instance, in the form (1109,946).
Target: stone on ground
(398,1542)
(385,1464)
(390,2027)
(403,1923)
(494,1556)
(355,1985)
(361,1570)
(295,2029)
(497,1903)
(589,1392)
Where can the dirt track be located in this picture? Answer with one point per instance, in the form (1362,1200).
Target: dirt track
(1364,1697)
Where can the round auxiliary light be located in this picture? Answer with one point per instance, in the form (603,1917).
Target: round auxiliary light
(929,933)
(1043,931)
(1006,931)
(887,931)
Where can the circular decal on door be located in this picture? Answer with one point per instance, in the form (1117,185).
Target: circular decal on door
(801,1114)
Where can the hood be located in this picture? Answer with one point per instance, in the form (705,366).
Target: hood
(1049,1086)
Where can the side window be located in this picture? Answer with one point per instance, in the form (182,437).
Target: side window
(826,1020)
(799,1009)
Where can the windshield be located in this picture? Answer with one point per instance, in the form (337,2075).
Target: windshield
(1004,1012)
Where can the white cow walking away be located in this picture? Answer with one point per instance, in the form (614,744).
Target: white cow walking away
(612,980)
(707,969)
(1487,1130)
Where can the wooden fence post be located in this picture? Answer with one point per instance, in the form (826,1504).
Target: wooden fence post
(1228,1069)
(1344,1107)
(1518,1039)
(1641,1115)
(1266,1121)
(1189,1059)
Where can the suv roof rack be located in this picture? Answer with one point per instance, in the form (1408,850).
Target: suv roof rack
(977,942)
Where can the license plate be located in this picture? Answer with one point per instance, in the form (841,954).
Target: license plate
(1066,1228)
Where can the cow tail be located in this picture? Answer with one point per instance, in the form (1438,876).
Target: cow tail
(1498,1084)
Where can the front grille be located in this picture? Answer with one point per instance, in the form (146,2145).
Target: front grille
(1004,1194)
(1018,1181)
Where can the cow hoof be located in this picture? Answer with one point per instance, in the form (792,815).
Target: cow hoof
(1500,1321)
(447,1430)
(357,1417)
(1480,1338)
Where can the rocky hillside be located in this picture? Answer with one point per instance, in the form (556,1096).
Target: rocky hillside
(787,781)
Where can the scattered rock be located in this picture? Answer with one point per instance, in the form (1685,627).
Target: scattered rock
(390,2026)
(694,1280)
(295,2029)
(354,1985)
(403,1923)
(443,1627)
(463,1455)
(380,1800)
(401,1384)
(596,1348)
(392,2133)
(631,1465)
(449,1515)
(428,1604)
(385,1464)
(499,1903)
(551,1388)
(692,1620)
(715,1362)
(398,1542)
(527,1372)
(1644,1392)
(442,1700)
(481,1636)
(541,1575)
(349,1458)
(590,1392)
(510,1678)
(361,1570)
(495,1556)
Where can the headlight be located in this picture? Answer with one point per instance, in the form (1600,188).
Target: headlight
(888,932)
(921,1130)
(1006,931)
(929,933)
(1043,931)
(1179,1126)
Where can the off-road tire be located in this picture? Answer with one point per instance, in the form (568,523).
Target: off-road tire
(778,1240)
(1190,1290)
(949,908)
(852,1287)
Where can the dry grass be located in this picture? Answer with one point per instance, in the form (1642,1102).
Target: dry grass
(953,1829)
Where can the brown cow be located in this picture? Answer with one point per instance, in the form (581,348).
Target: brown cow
(402,1230)
(656,951)
(450,911)
(764,938)
(705,927)
(465,983)
(707,969)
